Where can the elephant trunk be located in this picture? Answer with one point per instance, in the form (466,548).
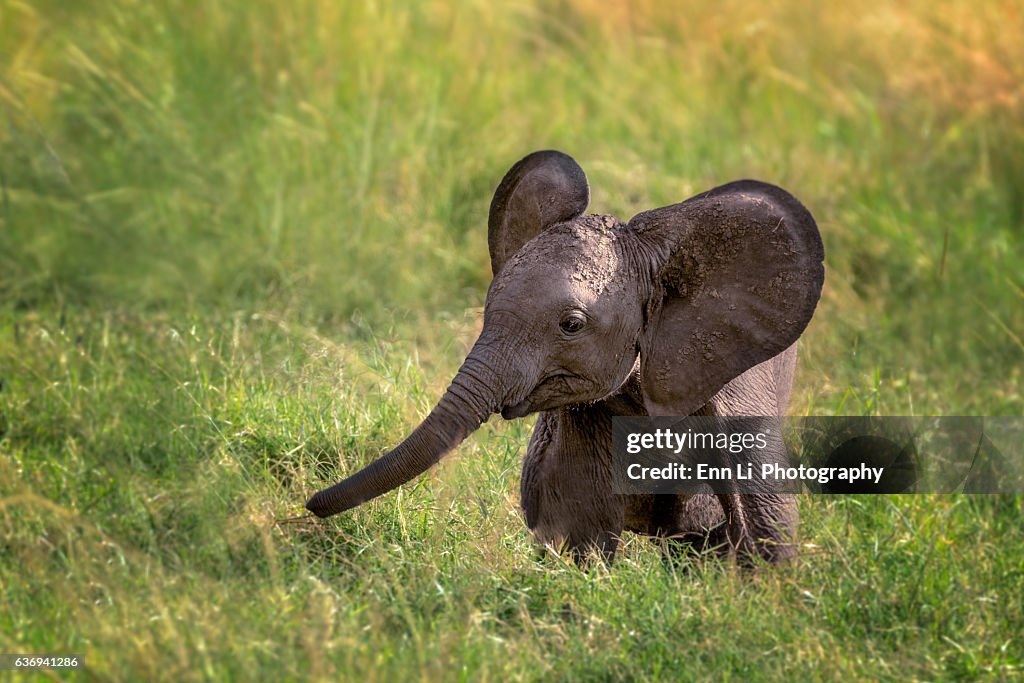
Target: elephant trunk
(473,395)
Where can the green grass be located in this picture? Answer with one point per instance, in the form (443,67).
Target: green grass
(242,251)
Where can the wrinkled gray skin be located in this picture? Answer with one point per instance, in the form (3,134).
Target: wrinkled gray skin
(693,308)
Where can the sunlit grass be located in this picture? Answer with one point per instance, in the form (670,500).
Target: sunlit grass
(243,249)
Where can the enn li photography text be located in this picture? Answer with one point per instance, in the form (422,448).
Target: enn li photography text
(668,441)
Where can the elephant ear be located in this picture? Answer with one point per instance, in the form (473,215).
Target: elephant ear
(737,274)
(541,190)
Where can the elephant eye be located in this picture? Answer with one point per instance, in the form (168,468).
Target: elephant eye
(572,322)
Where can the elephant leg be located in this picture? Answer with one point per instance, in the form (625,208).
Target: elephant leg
(567,493)
(760,525)
(686,528)
(760,522)
(699,526)
(681,524)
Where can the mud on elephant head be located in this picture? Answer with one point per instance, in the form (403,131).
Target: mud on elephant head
(693,307)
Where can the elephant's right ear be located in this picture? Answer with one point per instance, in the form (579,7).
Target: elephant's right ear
(541,190)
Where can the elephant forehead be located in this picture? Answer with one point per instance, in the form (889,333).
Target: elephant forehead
(583,255)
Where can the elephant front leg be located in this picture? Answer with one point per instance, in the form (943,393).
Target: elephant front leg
(572,518)
(568,500)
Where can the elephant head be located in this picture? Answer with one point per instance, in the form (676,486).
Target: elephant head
(683,298)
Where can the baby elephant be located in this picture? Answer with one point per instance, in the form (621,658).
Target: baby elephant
(690,309)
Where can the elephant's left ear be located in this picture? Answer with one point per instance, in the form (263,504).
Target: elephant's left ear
(541,190)
(737,275)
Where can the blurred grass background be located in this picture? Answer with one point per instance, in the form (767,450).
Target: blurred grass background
(238,239)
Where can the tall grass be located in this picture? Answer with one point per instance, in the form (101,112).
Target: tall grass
(242,250)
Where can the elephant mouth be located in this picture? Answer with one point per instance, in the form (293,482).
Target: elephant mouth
(553,392)
(515,411)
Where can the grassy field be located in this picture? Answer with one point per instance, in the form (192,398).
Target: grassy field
(243,250)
